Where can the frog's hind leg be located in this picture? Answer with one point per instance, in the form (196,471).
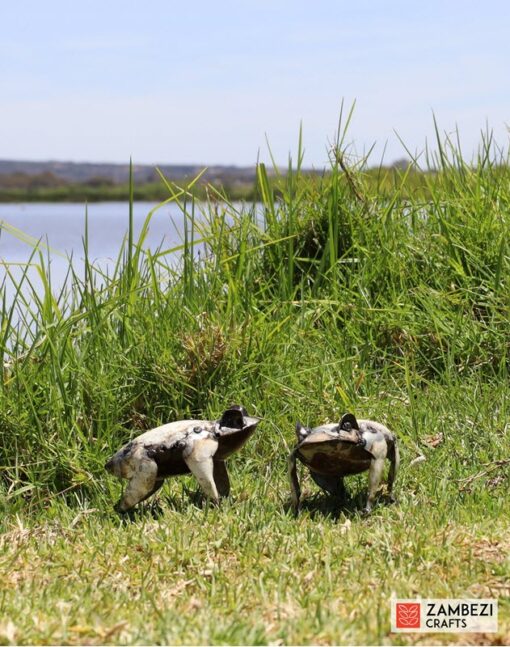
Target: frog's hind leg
(295,490)
(394,458)
(142,484)
(157,485)
(221,479)
(375,475)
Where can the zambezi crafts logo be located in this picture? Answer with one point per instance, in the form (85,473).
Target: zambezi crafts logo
(444,615)
(408,615)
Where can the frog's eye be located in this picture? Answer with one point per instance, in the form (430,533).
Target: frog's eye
(348,422)
(301,431)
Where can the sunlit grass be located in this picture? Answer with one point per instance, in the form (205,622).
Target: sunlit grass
(324,296)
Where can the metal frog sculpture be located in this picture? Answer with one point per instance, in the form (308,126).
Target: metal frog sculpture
(180,447)
(333,451)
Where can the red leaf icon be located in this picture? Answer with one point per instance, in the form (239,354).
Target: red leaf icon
(408,615)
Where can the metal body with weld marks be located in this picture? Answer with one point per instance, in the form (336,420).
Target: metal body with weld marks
(336,450)
(180,447)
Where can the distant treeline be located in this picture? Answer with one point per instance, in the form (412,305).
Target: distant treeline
(48,187)
(75,181)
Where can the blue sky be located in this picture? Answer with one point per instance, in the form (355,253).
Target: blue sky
(205,82)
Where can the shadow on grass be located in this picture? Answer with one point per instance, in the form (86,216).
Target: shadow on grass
(325,506)
(316,506)
(157,508)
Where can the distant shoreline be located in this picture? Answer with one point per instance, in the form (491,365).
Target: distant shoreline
(153,192)
(52,181)
(231,185)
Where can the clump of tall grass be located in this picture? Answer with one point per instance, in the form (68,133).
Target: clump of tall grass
(323,291)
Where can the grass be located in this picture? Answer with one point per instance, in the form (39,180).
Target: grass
(329,294)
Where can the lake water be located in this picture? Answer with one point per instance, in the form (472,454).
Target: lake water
(62,225)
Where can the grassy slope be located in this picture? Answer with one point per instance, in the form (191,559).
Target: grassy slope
(345,299)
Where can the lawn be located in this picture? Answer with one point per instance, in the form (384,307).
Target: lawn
(327,295)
